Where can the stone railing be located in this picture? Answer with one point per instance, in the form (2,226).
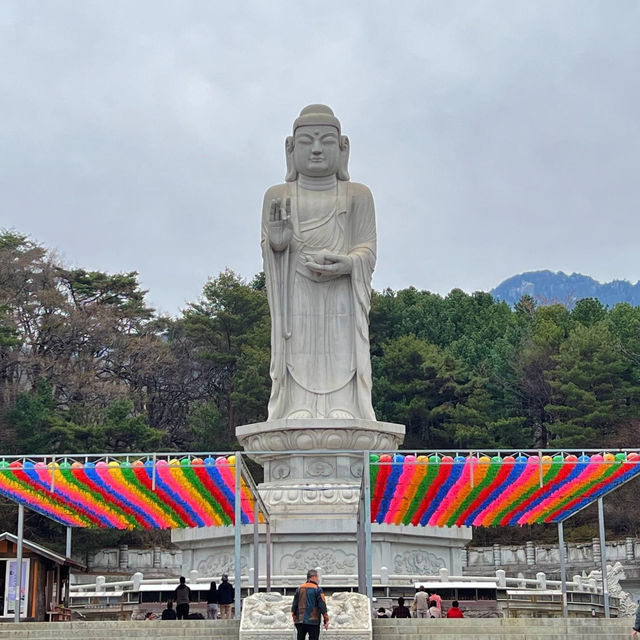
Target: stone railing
(499,579)
(529,555)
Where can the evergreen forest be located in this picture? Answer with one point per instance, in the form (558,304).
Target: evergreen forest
(86,366)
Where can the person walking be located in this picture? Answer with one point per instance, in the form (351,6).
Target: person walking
(401,611)
(421,603)
(183,597)
(455,611)
(212,601)
(226,597)
(307,607)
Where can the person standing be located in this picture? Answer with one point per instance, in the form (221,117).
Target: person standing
(401,611)
(437,599)
(212,601)
(226,597)
(307,607)
(636,626)
(454,610)
(421,603)
(183,596)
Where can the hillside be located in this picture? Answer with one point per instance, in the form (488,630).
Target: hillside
(549,287)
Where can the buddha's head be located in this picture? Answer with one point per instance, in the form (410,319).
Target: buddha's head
(317,148)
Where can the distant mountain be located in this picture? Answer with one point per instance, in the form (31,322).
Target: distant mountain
(548,287)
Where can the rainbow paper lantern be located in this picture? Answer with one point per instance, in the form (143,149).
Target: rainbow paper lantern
(167,494)
(497,491)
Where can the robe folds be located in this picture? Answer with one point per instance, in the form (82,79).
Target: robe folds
(320,362)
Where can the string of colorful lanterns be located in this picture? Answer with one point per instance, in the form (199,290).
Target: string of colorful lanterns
(447,490)
(144,494)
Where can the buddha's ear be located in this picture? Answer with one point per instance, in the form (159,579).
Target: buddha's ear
(343,164)
(292,174)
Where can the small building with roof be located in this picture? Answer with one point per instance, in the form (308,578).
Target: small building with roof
(45,580)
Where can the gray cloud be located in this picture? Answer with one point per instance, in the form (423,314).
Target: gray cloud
(496,136)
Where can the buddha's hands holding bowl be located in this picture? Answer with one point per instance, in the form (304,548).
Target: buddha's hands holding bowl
(280,225)
(330,264)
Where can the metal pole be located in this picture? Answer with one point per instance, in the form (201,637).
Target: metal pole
(367,525)
(68,547)
(256,548)
(237,522)
(563,571)
(603,560)
(360,543)
(18,595)
(268,555)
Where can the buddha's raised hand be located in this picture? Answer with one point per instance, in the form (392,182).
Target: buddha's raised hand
(280,225)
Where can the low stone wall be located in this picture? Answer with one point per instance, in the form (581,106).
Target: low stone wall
(530,555)
(123,558)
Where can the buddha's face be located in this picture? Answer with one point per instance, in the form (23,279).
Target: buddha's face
(316,150)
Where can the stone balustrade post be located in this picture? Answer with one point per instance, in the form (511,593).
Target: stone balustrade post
(565,550)
(497,555)
(501,576)
(595,547)
(137,579)
(123,556)
(157,557)
(541,577)
(444,574)
(629,549)
(530,551)
(384,576)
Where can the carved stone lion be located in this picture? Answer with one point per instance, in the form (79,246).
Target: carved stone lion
(615,573)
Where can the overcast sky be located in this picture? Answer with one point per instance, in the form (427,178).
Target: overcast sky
(496,137)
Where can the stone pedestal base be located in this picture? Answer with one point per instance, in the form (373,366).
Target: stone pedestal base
(324,474)
(312,496)
(300,544)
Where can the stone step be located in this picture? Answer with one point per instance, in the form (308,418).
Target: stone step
(118,624)
(520,635)
(496,629)
(146,633)
(125,630)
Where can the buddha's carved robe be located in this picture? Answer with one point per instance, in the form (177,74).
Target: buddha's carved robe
(320,363)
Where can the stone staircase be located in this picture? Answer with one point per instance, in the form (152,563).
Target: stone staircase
(127,630)
(467,629)
(507,629)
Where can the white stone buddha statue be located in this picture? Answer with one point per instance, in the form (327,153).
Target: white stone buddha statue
(319,252)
